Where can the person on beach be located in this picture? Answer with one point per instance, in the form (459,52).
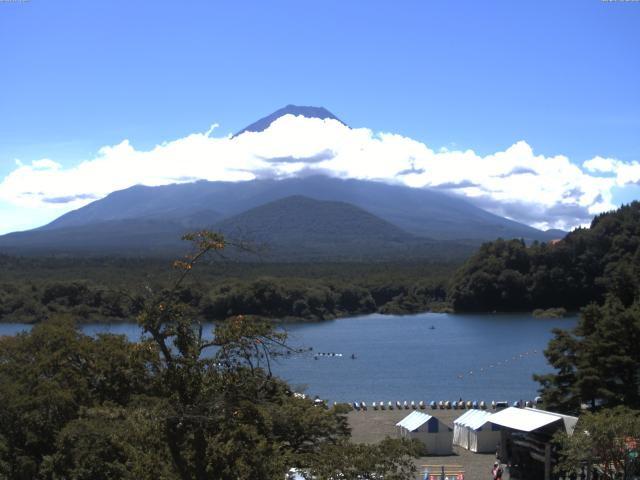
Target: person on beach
(496,471)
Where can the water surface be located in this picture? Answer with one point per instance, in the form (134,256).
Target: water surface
(416,357)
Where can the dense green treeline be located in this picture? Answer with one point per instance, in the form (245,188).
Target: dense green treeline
(111,289)
(101,408)
(597,364)
(97,408)
(579,269)
(597,376)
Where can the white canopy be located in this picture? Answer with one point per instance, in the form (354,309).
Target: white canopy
(435,435)
(474,419)
(413,421)
(474,431)
(529,419)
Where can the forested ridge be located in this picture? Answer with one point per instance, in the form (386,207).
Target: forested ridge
(588,263)
(112,289)
(597,364)
(504,275)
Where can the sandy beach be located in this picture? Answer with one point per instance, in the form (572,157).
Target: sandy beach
(374,425)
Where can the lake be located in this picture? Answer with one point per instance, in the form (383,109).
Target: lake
(428,356)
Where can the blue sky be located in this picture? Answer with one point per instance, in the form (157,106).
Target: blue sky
(480,75)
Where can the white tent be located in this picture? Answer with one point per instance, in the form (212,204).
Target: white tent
(473,431)
(538,446)
(530,419)
(435,435)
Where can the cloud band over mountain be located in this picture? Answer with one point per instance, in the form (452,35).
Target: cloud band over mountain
(545,192)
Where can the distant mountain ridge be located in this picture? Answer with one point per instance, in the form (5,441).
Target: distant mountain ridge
(300,218)
(296,217)
(308,112)
(292,214)
(294,228)
(421,212)
(304,228)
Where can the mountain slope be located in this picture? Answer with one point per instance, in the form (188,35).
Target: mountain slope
(309,112)
(421,212)
(124,220)
(294,228)
(301,228)
(176,202)
(299,219)
(130,236)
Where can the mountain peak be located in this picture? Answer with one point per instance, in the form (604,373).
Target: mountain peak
(305,111)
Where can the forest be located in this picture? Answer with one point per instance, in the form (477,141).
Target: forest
(98,407)
(583,267)
(503,275)
(168,407)
(112,289)
(596,365)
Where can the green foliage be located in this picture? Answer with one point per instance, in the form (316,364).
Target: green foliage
(493,279)
(77,407)
(49,374)
(581,268)
(112,290)
(390,459)
(598,362)
(603,440)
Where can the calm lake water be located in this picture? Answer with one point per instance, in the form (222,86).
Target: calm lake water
(417,357)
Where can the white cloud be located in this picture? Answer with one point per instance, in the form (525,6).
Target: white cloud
(542,191)
(603,165)
(628,173)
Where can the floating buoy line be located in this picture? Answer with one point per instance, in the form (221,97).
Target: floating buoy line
(500,363)
(326,354)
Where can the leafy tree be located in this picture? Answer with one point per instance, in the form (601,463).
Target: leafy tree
(603,440)
(598,362)
(493,279)
(558,389)
(177,405)
(227,416)
(390,459)
(111,442)
(49,374)
(583,267)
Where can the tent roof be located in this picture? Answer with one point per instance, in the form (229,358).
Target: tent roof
(524,419)
(568,420)
(473,419)
(413,421)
